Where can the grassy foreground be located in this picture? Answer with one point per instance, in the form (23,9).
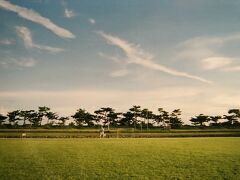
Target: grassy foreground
(168,158)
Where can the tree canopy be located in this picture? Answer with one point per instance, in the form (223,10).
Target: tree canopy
(136,117)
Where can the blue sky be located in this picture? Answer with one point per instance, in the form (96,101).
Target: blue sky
(89,54)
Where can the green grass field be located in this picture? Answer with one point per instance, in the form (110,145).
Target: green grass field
(121,132)
(165,158)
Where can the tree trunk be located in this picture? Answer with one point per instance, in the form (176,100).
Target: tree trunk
(24,122)
(135,122)
(147,123)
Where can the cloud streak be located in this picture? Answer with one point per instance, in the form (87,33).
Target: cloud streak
(92,21)
(69,13)
(7,41)
(20,62)
(26,35)
(119,73)
(220,63)
(137,56)
(232,68)
(206,50)
(33,16)
(199,48)
(212,63)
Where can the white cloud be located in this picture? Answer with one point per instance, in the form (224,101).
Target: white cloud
(225,64)
(7,41)
(92,21)
(19,63)
(31,15)
(232,68)
(199,48)
(137,56)
(119,73)
(113,58)
(26,36)
(215,62)
(122,71)
(69,13)
(206,51)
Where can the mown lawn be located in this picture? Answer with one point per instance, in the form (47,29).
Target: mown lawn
(120,132)
(167,158)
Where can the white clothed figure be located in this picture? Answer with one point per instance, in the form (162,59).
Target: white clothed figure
(102,134)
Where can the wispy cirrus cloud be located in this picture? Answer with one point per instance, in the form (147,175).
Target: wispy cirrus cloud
(91,20)
(198,48)
(233,68)
(69,13)
(33,16)
(26,35)
(18,62)
(113,58)
(136,55)
(119,73)
(123,71)
(215,62)
(225,64)
(7,41)
(206,51)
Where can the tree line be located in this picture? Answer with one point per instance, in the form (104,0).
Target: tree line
(136,117)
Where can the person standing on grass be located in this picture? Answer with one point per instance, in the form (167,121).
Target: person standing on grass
(102,134)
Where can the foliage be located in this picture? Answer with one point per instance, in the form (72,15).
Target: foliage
(82,118)
(62,121)
(13,117)
(174,119)
(2,119)
(136,117)
(136,111)
(200,120)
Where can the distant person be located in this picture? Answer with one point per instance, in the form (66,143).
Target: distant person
(102,134)
(24,135)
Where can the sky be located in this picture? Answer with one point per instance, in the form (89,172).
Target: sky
(91,54)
